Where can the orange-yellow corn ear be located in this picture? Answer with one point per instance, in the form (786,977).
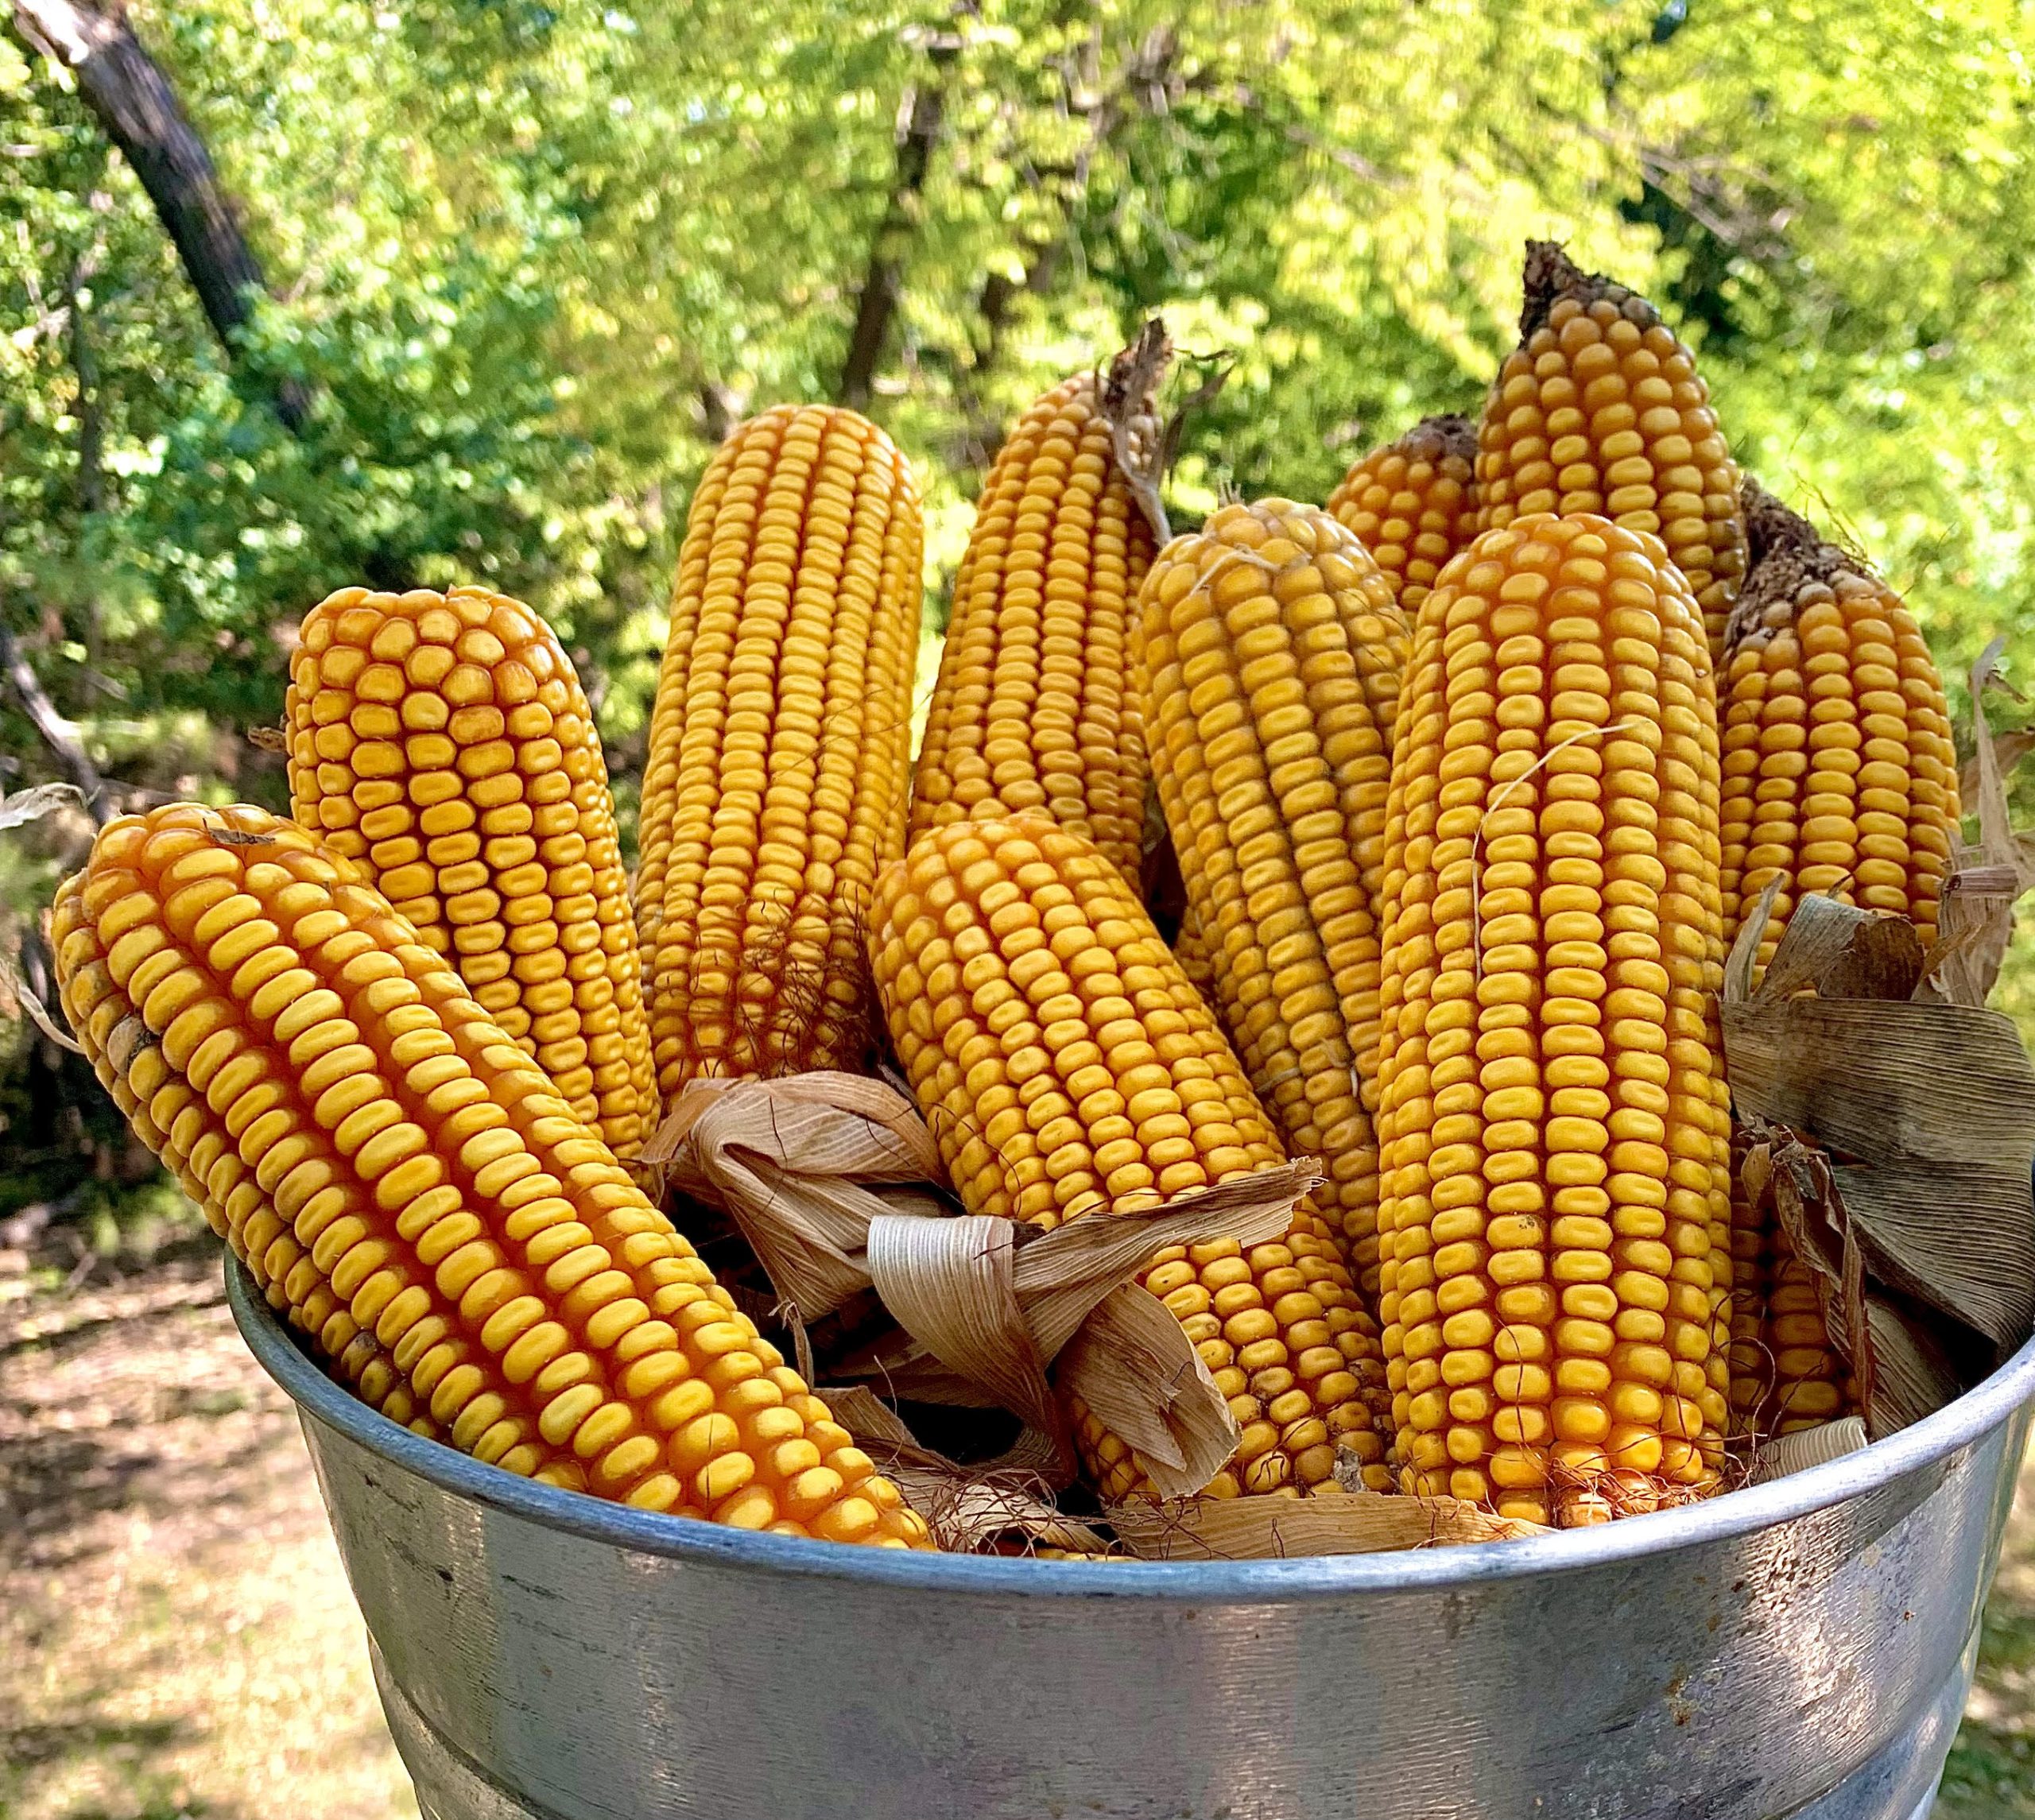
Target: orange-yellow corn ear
(1554,1128)
(1840,771)
(1785,1373)
(414,1193)
(1601,410)
(1034,708)
(442,743)
(1191,950)
(1412,504)
(1067,1067)
(1270,654)
(780,747)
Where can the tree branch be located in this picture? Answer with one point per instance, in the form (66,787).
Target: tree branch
(919,115)
(130,94)
(59,734)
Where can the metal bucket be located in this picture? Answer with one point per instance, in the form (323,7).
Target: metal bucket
(1800,1649)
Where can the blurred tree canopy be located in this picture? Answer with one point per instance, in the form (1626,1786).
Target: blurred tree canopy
(524,263)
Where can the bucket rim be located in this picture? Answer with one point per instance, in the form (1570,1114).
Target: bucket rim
(1960,1424)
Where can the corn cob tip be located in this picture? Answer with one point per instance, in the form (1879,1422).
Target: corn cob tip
(1549,275)
(1442,434)
(1771,526)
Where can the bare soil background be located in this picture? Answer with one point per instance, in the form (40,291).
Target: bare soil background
(177,1640)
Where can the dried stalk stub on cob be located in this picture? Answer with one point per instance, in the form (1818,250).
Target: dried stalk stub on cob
(1034,709)
(409,1186)
(442,743)
(1270,651)
(1840,775)
(1600,410)
(780,749)
(1412,504)
(1553,1123)
(1067,1067)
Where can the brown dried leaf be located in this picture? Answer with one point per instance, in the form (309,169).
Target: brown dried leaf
(1134,1365)
(2009,749)
(1975,926)
(824,1174)
(999,1507)
(31,805)
(38,1013)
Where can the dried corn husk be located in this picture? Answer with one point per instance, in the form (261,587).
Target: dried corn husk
(1264,1528)
(827,1175)
(1895,1135)
(1976,925)
(1002,1507)
(1807,1447)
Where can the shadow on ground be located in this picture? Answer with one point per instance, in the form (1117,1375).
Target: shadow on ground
(177,1640)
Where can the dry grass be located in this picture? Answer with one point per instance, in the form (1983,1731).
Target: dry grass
(176,1636)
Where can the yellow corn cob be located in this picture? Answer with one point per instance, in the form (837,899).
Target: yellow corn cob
(409,1186)
(1066,1067)
(780,747)
(1601,410)
(1556,1139)
(1191,950)
(442,744)
(1750,1371)
(1810,1383)
(1271,653)
(1785,1373)
(1840,771)
(1034,708)
(1412,504)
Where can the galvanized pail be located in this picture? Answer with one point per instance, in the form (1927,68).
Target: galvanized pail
(1800,1649)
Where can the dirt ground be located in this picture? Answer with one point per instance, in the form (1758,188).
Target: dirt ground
(177,1641)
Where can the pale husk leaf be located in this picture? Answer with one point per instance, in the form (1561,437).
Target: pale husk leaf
(1270,1528)
(825,1175)
(32,804)
(1134,1367)
(1807,1447)
(991,1508)
(1975,926)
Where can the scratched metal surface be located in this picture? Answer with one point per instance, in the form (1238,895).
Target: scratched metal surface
(1798,1649)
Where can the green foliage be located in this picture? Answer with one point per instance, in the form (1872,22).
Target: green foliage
(526,259)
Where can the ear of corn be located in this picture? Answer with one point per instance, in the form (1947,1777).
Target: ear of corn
(1066,1067)
(1601,410)
(780,747)
(1034,709)
(1191,950)
(1412,504)
(1555,1133)
(1785,1373)
(413,1190)
(1271,653)
(442,744)
(1840,772)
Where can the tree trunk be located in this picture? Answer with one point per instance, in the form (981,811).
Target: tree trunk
(59,734)
(130,95)
(919,118)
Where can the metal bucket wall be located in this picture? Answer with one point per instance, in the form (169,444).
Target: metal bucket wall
(1801,1648)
